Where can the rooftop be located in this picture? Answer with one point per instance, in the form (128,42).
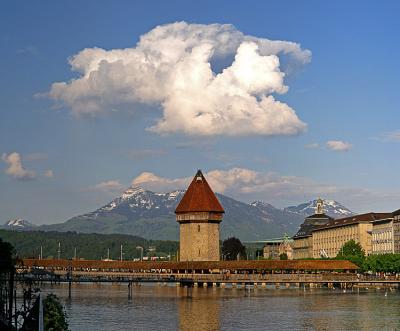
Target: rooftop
(356,219)
(199,197)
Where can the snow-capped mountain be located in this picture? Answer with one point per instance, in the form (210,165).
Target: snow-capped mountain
(136,201)
(331,208)
(151,215)
(19,224)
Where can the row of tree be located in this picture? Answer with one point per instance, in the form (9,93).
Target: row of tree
(352,251)
(31,244)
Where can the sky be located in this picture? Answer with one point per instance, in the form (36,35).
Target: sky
(278,101)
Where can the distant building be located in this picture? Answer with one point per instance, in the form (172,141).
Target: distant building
(302,240)
(199,214)
(328,239)
(273,248)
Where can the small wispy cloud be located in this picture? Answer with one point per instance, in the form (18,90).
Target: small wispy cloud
(391,136)
(49,174)
(142,154)
(15,168)
(339,145)
(28,50)
(109,186)
(312,146)
(36,156)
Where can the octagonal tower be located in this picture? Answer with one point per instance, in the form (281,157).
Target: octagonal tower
(199,214)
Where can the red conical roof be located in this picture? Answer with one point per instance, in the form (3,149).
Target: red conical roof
(199,197)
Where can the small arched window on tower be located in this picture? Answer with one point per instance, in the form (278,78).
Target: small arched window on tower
(198,228)
(199,251)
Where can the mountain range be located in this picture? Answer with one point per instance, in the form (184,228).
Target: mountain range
(151,215)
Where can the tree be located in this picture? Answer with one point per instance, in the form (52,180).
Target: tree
(55,318)
(233,249)
(353,252)
(6,255)
(283,256)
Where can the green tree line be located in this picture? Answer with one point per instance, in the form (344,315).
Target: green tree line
(88,246)
(353,252)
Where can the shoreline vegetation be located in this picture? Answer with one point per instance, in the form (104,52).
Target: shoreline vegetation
(29,244)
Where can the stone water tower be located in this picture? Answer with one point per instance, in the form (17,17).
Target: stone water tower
(199,214)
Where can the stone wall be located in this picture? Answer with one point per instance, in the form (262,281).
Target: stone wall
(199,242)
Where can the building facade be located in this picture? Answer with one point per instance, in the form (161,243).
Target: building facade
(383,236)
(329,238)
(386,235)
(199,215)
(396,230)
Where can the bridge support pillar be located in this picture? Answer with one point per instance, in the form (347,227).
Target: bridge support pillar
(214,284)
(277,285)
(263,285)
(255,285)
(222,285)
(205,284)
(195,284)
(287,285)
(297,285)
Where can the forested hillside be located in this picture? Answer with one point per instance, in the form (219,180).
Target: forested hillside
(88,246)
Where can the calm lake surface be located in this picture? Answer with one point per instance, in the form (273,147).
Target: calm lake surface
(154,307)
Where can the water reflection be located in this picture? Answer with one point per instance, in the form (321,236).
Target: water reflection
(153,307)
(198,309)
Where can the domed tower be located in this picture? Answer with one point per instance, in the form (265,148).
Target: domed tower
(199,214)
(320,206)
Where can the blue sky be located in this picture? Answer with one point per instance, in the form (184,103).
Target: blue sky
(61,157)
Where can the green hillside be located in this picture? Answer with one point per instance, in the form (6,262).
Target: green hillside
(88,246)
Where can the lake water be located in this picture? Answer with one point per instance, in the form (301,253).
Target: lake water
(153,307)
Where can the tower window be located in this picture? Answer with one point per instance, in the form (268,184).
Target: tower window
(199,251)
(198,228)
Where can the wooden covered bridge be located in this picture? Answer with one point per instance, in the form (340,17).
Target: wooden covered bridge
(218,272)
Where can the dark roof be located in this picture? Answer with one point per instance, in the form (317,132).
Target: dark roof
(304,231)
(362,218)
(232,265)
(396,212)
(199,197)
(314,216)
(310,223)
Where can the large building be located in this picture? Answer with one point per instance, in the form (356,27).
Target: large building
(302,240)
(396,230)
(386,234)
(328,239)
(199,214)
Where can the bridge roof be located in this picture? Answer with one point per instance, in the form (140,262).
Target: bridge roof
(200,265)
(199,197)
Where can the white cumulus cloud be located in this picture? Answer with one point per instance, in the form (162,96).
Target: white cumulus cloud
(339,145)
(15,168)
(171,67)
